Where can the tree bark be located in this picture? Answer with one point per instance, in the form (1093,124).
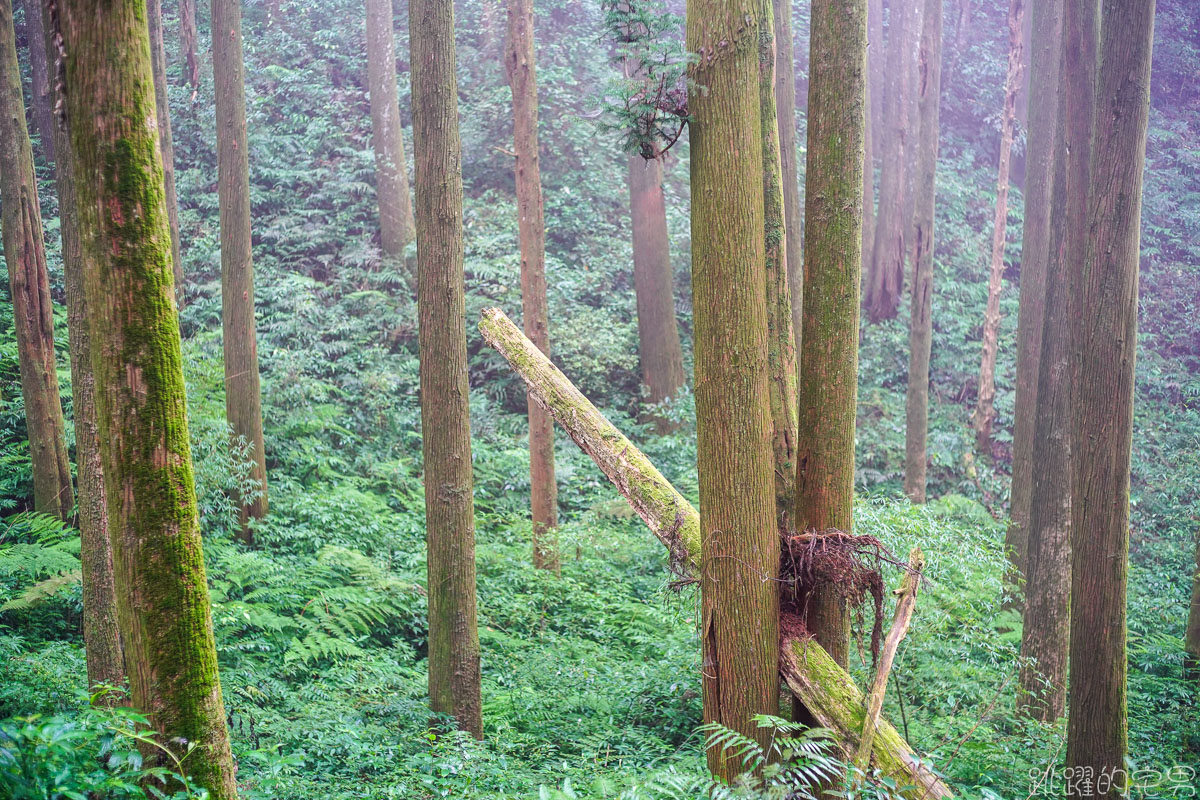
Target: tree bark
(396,227)
(39,78)
(101,630)
(1044,70)
(826,691)
(29,284)
(187,42)
(985,411)
(886,275)
(653,282)
(1104,300)
(781,339)
(162,105)
(929,82)
(162,593)
(833,264)
(454,672)
(522,79)
(243,396)
(740,601)
(793,210)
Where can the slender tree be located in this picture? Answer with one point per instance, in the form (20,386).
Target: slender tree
(1104,301)
(781,340)
(985,411)
(653,282)
(391,175)
(243,397)
(929,82)
(522,79)
(740,601)
(187,42)
(158,61)
(29,285)
(101,631)
(833,267)
(445,410)
(1044,68)
(43,106)
(162,594)
(793,211)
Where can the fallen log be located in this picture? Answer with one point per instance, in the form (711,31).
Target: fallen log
(825,689)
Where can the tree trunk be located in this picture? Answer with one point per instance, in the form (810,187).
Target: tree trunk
(653,282)
(243,397)
(522,79)
(162,593)
(101,631)
(39,74)
(832,241)
(740,602)
(793,211)
(826,692)
(1191,642)
(187,43)
(1104,297)
(781,340)
(29,284)
(391,176)
(1035,253)
(454,677)
(158,61)
(920,337)
(985,411)
(886,276)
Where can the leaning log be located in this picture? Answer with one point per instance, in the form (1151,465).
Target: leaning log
(825,689)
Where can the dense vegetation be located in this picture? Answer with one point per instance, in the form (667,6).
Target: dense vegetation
(589,680)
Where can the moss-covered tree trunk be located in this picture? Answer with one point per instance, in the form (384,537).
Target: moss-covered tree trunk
(920,332)
(653,281)
(29,285)
(793,210)
(985,411)
(1104,302)
(187,42)
(833,267)
(39,77)
(243,396)
(522,79)
(445,409)
(162,594)
(158,60)
(1044,70)
(886,275)
(740,601)
(101,631)
(781,340)
(391,171)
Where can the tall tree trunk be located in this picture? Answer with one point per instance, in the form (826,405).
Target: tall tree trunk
(39,74)
(653,282)
(985,411)
(781,340)
(522,79)
(793,211)
(832,238)
(1044,70)
(920,337)
(101,631)
(162,593)
(243,397)
(391,177)
(162,105)
(886,276)
(740,602)
(29,284)
(1104,295)
(445,408)
(187,42)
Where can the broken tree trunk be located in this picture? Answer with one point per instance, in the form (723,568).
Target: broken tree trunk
(825,689)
